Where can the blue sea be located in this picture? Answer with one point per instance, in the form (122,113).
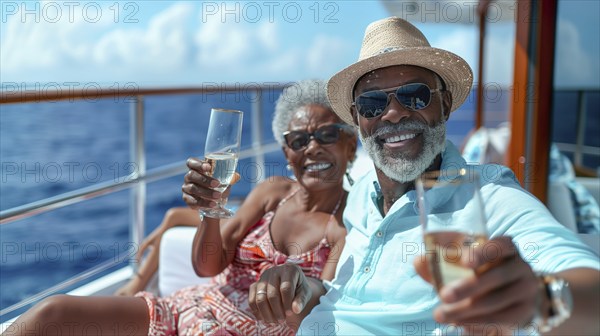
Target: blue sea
(51,148)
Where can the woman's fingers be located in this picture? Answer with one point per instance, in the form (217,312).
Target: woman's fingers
(198,186)
(252,302)
(196,203)
(199,179)
(199,173)
(275,300)
(262,303)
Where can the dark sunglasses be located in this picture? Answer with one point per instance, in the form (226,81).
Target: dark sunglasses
(325,135)
(413,96)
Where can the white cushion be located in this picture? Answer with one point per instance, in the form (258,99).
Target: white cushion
(175,261)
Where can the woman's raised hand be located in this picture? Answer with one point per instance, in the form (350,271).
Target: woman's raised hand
(198,185)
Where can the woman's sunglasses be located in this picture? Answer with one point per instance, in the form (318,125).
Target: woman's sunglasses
(414,96)
(324,135)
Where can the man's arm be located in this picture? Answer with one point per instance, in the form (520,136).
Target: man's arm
(284,293)
(585,288)
(508,294)
(290,295)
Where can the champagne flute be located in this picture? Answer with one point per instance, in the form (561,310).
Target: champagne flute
(221,151)
(453,220)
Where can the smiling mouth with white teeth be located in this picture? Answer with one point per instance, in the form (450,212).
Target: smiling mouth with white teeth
(317,166)
(399,138)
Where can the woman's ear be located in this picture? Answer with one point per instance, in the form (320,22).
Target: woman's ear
(284,149)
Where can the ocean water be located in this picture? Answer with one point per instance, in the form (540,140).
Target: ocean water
(52,148)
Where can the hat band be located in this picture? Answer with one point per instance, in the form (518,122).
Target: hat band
(388,49)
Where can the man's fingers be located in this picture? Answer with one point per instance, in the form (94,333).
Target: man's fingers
(492,252)
(422,267)
(485,307)
(510,271)
(302,297)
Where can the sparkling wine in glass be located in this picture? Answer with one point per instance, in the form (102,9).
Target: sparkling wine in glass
(453,221)
(221,151)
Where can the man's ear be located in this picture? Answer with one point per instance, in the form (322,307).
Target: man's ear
(446,104)
(352,149)
(354,114)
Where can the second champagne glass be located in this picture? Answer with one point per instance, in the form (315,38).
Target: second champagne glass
(221,151)
(453,221)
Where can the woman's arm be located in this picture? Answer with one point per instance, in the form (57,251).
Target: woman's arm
(215,241)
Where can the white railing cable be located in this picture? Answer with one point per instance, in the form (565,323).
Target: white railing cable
(137,182)
(100,189)
(106,265)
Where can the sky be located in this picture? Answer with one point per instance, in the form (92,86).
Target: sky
(179,43)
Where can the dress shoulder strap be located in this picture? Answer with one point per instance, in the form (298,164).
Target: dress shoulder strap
(286,198)
(332,216)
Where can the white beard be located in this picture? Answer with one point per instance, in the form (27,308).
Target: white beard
(398,166)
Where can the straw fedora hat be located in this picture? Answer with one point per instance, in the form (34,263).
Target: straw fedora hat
(394,41)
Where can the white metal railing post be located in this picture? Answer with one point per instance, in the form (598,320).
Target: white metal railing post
(257,132)
(137,205)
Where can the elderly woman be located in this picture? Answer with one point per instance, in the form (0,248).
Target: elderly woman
(282,221)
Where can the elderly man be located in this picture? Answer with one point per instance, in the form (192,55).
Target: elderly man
(400,94)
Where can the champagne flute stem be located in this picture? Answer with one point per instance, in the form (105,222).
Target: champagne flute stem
(221,202)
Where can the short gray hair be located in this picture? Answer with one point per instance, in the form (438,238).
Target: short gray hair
(302,93)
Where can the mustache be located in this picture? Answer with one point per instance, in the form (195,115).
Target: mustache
(409,125)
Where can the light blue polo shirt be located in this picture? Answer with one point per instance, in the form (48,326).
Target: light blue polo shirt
(377,291)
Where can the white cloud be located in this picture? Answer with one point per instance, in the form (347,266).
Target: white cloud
(48,36)
(173,46)
(461,41)
(165,43)
(280,66)
(320,54)
(223,43)
(500,55)
(242,47)
(267,34)
(499,50)
(78,47)
(573,66)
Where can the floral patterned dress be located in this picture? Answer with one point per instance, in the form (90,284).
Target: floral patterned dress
(221,307)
